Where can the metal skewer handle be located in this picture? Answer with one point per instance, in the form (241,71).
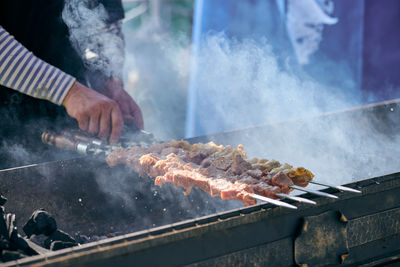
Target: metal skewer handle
(94,141)
(63,142)
(58,141)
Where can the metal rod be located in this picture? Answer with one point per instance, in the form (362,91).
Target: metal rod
(339,187)
(273,201)
(315,192)
(298,199)
(135,12)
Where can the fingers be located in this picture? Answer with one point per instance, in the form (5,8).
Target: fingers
(128,119)
(83,122)
(94,123)
(136,115)
(117,124)
(131,112)
(111,123)
(95,112)
(124,106)
(105,125)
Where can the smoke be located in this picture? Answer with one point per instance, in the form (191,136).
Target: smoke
(157,69)
(239,84)
(96,40)
(15,153)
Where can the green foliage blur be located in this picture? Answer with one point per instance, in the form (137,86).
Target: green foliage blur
(175,16)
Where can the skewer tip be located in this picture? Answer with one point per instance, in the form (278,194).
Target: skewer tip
(339,187)
(345,188)
(298,199)
(315,192)
(273,201)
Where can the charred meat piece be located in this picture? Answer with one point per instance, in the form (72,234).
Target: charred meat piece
(239,165)
(255,173)
(282,181)
(300,176)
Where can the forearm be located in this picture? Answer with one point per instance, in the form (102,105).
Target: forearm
(22,71)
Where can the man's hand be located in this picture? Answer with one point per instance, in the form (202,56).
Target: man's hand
(113,88)
(94,112)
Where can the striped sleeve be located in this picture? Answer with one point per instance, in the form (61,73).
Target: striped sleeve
(22,71)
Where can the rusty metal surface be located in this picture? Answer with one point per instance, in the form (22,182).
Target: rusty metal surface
(322,240)
(239,234)
(373,227)
(271,254)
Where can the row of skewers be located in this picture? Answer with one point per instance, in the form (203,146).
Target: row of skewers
(219,171)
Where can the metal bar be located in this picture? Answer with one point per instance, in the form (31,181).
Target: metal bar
(298,199)
(135,12)
(315,192)
(273,201)
(339,187)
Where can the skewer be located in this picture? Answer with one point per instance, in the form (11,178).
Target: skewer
(64,142)
(315,192)
(298,199)
(339,187)
(273,201)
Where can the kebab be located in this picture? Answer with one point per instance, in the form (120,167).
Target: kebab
(217,170)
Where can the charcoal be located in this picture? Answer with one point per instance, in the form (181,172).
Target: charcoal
(59,235)
(8,255)
(18,242)
(57,245)
(3,225)
(4,243)
(41,222)
(10,224)
(82,239)
(3,200)
(38,239)
(30,228)
(9,237)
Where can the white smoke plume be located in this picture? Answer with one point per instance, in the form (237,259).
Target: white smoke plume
(239,84)
(93,38)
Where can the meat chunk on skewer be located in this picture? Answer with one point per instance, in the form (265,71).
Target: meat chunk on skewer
(282,181)
(219,171)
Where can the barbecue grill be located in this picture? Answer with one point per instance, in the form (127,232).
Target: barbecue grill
(161,227)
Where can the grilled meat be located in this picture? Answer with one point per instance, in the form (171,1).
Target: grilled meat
(217,170)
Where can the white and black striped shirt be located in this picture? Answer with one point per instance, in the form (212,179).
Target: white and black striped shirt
(22,71)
